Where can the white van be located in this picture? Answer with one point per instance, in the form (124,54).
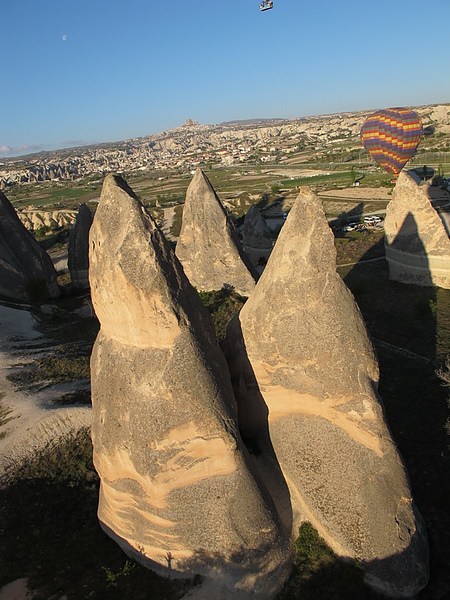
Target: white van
(372,221)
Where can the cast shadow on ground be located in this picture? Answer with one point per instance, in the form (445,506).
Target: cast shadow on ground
(403,320)
(350,216)
(255,434)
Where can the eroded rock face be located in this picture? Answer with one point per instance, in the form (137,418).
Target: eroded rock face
(416,240)
(26,270)
(208,247)
(35,219)
(177,489)
(257,237)
(78,249)
(302,366)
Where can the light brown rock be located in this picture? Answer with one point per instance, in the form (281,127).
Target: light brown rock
(26,270)
(257,238)
(34,219)
(300,358)
(177,488)
(208,247)
(78,249)
(416,240)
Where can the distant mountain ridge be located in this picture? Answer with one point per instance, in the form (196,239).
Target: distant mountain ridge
(189,146)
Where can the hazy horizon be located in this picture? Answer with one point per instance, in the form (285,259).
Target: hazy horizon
(103,72)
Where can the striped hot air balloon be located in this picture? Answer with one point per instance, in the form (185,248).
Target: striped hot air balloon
(391,137)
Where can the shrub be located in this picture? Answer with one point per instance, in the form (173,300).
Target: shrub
(223,305)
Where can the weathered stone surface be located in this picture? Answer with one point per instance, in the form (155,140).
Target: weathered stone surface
(24,265)
(78,249)
(208,247)
(177,489)
(256,233)
(257,238)
(302,366)
(416,240)
(34,219)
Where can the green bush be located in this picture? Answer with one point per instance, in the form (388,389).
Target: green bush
(223,305)
(425,309)
(42,232)
(318,574)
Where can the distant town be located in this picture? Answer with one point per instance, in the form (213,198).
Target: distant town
(328,138)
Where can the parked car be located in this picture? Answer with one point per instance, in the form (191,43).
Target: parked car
(372,221)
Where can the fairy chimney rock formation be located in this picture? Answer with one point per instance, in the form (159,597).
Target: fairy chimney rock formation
(299,352)
(416,240)
(78,249)
(257,237)
(177,491)
(26,270)
(208,247)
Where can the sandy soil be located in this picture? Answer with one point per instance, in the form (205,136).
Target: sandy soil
(35,420)
(59,258)
(359,193)
(17,590)
(168,220)
(295,172)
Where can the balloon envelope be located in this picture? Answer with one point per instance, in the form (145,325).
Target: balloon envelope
(391,137)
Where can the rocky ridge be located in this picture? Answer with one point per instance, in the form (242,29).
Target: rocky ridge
(78,249)
(54,219)
(189,146)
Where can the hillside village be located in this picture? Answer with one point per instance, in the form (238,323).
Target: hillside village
(329,138)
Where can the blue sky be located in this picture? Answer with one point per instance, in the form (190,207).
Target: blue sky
(87,71)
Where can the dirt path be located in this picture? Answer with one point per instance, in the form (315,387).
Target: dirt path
(168,220)
(33,420)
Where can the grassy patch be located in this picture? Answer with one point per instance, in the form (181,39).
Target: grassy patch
(51,196)
(342,178)
(57,368)
(69,339)
(177,220)
(355,246)
(223,305)
(50,532)
(319,574)
(64,325)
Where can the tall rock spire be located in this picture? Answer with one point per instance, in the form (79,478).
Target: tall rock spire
(208,247)
(416,239)
(299,353)
(177,488)
(26,270)
(78,249)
